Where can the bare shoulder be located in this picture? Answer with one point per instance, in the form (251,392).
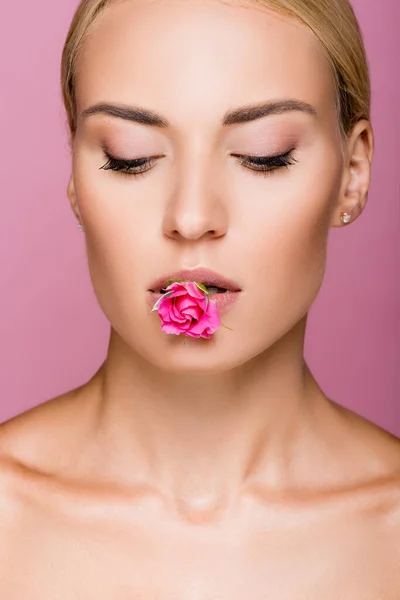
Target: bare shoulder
(372,457)
(26,440)
(43,442)
(380,447)
(29,437)
(30,448)
(35,446)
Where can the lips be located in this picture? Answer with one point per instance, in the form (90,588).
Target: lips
(201,275)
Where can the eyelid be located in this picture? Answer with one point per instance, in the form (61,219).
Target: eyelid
(268,163)
(263,165)
(122,165)
(119,159)
(271,155)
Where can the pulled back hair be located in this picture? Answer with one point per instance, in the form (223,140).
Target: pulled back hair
(333,22)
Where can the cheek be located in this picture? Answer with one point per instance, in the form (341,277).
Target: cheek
(287,249)
(289,258)
(116,233)
(288,214)
(112,206)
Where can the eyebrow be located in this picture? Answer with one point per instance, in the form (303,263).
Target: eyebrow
(243,114)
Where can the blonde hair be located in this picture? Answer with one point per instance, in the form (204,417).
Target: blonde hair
(332,21)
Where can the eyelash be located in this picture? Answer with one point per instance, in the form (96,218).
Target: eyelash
(265,164)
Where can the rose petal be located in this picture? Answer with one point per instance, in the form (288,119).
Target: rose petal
(194,312)
(170,328)
(176,314)
(187,310)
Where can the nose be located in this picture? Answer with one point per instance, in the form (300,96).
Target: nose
(197,208)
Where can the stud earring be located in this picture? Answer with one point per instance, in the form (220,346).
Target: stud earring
(345,217)
(80,227)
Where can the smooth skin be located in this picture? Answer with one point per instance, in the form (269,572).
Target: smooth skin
(212,469)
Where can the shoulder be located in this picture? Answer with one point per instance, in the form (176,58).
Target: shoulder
(22,454)
(377,448)
(33,450)
(370,457)
(27,438)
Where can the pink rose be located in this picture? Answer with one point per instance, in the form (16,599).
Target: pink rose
(186,309)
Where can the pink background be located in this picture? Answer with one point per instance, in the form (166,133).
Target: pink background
(53,333)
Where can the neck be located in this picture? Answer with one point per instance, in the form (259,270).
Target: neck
(202,437)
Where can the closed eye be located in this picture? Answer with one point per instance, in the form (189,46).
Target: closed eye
(263,165)
(260,165)
(135,167)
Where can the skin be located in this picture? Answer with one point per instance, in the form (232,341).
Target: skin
(210,469)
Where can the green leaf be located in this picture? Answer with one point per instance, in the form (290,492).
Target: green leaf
(207,301)
(201,286)
(169,281)
(155,307)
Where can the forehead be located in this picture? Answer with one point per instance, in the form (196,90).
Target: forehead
(191,59)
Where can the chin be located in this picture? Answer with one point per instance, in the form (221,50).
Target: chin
(181,354)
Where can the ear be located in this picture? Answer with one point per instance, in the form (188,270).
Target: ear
(356,179)
(73,200)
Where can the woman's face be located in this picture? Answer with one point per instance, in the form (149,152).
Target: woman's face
(197,204)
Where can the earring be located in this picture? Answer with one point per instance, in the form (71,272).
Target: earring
(80,227)
(345,217)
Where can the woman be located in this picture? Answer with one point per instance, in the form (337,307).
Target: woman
(202,460)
